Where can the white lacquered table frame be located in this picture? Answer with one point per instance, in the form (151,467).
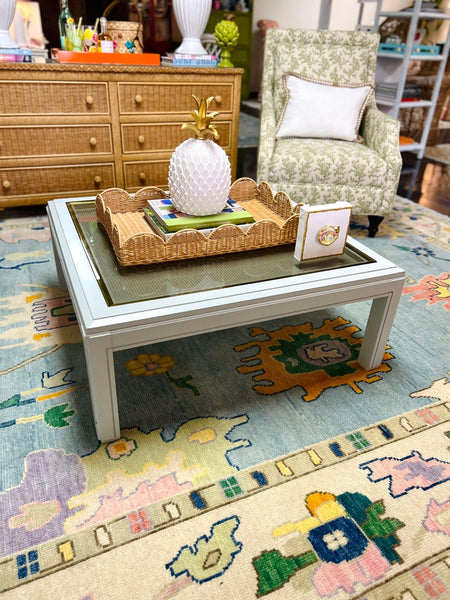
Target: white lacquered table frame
(106,329)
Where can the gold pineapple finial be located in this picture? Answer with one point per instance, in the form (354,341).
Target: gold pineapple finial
(202,126)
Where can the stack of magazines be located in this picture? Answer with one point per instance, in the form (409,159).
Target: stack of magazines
(165,219)
(389,91)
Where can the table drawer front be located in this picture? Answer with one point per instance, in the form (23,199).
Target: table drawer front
(55,141)
(172,98)
(56,98)
(58,179)
(164,137)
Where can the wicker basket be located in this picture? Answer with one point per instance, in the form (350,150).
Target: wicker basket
(135,243)
(123,32)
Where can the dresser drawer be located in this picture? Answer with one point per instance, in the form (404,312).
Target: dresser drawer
(55,140)
(57,180)
(164,137)
(55,98)
(151,172)
(138,174)
(172,98)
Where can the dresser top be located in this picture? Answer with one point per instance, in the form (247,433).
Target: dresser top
(59,68)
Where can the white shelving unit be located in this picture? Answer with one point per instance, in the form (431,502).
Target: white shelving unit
(393,68)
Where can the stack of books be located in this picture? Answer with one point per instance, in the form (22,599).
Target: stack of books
(388,91)
(189,60)
(39,55)
(35,55)
(165,219)
(15,55)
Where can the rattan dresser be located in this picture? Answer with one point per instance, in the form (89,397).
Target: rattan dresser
(68,130)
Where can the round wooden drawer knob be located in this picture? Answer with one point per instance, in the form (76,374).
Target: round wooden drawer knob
(97,179)
(138,99)
(6,184)
(89,100)
(218,99)
(141,139)
(93,141)
(142,176)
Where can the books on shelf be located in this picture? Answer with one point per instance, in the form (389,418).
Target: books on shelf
(163,214)
(388,91)
(189,60)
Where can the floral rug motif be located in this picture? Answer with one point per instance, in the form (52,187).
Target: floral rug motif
(364,515)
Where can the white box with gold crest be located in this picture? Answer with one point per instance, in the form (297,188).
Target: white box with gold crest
(322,230)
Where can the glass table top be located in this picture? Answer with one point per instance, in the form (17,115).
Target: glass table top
(123,285)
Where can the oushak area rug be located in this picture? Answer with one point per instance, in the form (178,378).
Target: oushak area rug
(256,462)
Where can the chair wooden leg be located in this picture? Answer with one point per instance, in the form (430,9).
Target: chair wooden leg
(374,222)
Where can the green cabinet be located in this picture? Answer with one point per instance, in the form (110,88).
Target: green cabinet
(241,56)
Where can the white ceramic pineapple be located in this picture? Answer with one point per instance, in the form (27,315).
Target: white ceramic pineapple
(199,169)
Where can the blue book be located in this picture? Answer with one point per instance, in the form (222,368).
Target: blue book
(24,51)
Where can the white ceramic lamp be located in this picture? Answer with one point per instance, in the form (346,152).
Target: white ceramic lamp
(192,17)
(7,10)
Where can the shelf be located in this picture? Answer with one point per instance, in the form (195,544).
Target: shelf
(393,65)
(410,147)
(406,14)
(403,103)
(401,56)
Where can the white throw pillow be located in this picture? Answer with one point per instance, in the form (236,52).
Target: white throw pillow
(322,109)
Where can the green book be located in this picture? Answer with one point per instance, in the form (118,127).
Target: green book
(172,220)
(163,232)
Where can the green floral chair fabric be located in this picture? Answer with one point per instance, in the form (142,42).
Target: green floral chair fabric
(320,171)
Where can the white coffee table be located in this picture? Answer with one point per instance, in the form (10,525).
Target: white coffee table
(119,308)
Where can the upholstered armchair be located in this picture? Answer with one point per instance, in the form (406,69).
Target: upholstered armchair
(317,170)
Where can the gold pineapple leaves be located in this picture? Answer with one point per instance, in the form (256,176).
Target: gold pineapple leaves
(202,126)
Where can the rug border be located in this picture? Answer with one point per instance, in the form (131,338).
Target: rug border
(69,550)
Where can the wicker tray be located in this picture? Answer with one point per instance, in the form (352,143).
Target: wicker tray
(135,243)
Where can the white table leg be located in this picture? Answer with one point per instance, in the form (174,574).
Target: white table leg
(102,385)
(378,328)
(61,279)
